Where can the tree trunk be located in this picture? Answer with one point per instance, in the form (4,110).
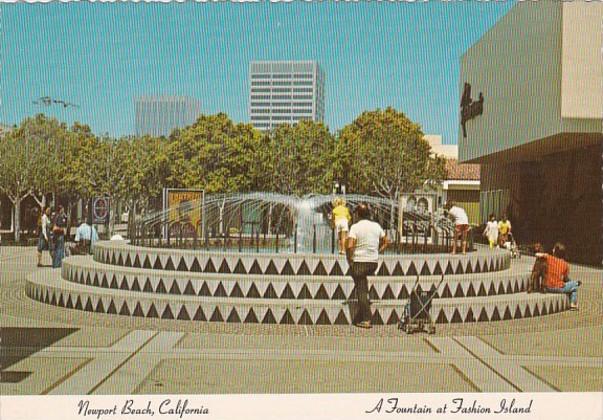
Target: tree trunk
(17,218)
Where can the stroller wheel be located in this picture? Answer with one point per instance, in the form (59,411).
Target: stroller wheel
(408,329)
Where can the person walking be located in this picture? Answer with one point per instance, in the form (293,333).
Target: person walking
(556,279)
(491,231)
(504,229)
(44,234)
(58,232)
(365,241)
(461,225)
(341,220)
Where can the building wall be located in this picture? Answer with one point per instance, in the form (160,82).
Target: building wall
(160,115)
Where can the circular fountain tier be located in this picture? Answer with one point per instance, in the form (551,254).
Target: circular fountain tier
(127,280)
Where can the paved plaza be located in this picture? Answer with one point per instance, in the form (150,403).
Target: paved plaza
(52,350)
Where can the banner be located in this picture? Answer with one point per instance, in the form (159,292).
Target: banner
(183,212)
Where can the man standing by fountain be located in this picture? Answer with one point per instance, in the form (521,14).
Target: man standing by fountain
(365,241)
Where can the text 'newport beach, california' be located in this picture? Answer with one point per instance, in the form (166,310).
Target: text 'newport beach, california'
(165,408)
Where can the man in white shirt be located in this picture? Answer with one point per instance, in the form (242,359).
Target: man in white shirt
(365,240)
(85,236)
(461,225)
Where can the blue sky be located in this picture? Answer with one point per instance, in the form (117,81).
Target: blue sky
(101,56)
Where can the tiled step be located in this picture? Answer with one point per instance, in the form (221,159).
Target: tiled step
(120,253)
(48,287)
(83,270)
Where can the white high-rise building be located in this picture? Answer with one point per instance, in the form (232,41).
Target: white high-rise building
(159,115)
(285,92)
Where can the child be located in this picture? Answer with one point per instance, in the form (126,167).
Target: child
(341,219)
(491,231)
(536,282)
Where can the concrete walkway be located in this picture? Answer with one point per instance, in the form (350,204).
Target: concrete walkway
(49,350)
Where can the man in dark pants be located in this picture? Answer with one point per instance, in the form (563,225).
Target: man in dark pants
(365,241)
(58,232)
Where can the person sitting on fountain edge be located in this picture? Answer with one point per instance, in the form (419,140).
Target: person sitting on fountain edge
(341,218)
(556,279)
(365,241)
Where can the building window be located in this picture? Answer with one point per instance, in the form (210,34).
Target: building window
(260,104)
(309,90)
(253,97)
(302,76)
(281,76)
(260,90)
(281,97)
(260,76)
(260,84)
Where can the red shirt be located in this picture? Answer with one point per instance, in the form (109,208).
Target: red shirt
(556,271)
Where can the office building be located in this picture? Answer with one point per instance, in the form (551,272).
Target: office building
(159,115)
(532,107)
(285,92)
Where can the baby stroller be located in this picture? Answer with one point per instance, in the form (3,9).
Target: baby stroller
(511,245)
(416,312)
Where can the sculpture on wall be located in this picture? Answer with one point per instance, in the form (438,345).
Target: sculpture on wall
(470,108)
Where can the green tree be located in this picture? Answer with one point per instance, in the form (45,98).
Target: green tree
(383,152)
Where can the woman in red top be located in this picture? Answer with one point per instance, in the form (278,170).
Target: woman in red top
(556,279)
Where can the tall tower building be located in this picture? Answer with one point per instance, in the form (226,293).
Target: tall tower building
(159,115)
(285,92)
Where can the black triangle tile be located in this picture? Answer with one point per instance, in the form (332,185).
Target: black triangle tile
(516,287)
(305,318)
(89,281)
(446,292)
(183,314)
(459,291)
(167,313)
(304,293)
(517,314)
(483,316)
(182,265)
(124,284)
(189,289)
(469,268)
(161,287)
(148,287)
(287,318)
(492,290)
(220,291)
(336,270)
(482,290)
(169,265)
(113,260)
(419,289)
(449,269)
(269,317)
(100,308)
(321,293)
(136,263)
(551,308)
(199,315)
(393,318)
(196,267)
(271,269)
(320,269)
(104,282)
(527,313)
(240,268)
(135,285)
(88,307)
(323,318)
(120,260)
(495,315)
(478,267)
(303,269)
(233,317)
(175,289)
(398,270)
(253,291)
(459,268)
(124,309)
(437,270)
(536,311)
(152,312)
(270,293)
(412,270)
(341,319)
(147,263)
(470,291)
(224,268)
(216,316)
(255,268)
(128,262)
(403,292)
(114,284)
(236,291)
(287,293)
(507,314)
(111,309)
(53,301)
(138,310)
(501,288)
(388,294)
(339,294)
(383,271)
(425,271)
(373,295)
(376,318)
(456,317)
(441,319)
(157,265)
(61,301)
(251,317)
(469,317)
(209,267)
(287,269)
(544,310)
(509,289)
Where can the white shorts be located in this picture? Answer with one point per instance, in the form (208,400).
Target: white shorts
(341,225)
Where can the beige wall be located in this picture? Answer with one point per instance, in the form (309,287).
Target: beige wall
(582,63)
(526,71)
